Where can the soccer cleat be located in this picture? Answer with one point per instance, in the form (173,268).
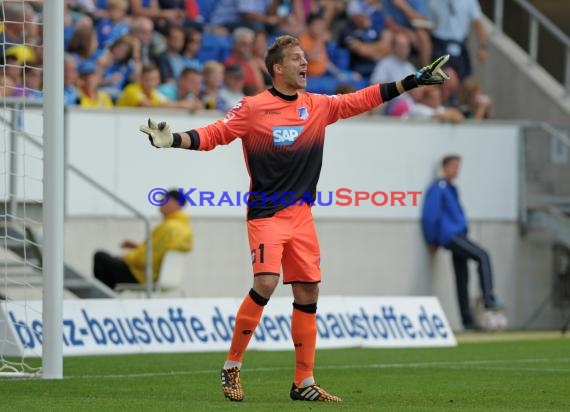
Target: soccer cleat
(312,393)
(231,384)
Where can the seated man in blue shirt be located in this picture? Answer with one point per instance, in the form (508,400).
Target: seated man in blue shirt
(444,224)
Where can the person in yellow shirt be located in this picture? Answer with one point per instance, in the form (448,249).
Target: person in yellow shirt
(145,92)
(89,93)
(173,233)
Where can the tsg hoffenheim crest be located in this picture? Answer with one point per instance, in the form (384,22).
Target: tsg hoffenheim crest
(303,113)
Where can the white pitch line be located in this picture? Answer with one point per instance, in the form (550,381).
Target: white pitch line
(450,364)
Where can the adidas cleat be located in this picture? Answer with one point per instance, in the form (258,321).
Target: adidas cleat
(231,384)
(312,393)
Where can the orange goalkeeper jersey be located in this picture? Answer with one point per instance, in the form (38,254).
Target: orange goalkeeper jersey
(283,139)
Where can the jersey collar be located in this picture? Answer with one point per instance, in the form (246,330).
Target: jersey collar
(277,93)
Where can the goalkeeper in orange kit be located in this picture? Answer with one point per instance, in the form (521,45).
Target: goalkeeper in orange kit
(283,131)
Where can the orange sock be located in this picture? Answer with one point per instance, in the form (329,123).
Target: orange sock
(304,334)
(247,319)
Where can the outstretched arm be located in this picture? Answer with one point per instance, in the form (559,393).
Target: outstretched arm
(234,124)
(352,104)
(160,135)
(429,75)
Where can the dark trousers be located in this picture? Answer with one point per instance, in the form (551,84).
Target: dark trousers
(459,55)
(462,250)
(111,270)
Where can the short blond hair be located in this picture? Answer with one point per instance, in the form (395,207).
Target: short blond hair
(275,51)
(118,4)
(212,66)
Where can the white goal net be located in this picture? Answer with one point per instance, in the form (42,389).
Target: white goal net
(22,276)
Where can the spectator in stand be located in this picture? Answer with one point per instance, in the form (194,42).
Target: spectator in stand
(453,21)
(6,85)
(411,18)
(101,10)
(258,59)
(31,85)
(115,25)
(213,81)
(188,11)
(394,67)
(84,46)
(162,19)
(170,63)
(224,17)
(430,106)
(21,55)
(145,8)
(391,67)
(187,89)
(145,93)
(12,69)
(258,15)
(151,44)
(173,233)
(450,89)
(232,91)
(70,78)
(85,7)
(329,9)
(290,15)
(192,48)
(17,20)
(367,44)
(120,67)
(242,52)
(314,43)
(89,94)
(72,20)
(194,16)
(344,89)
(473,102)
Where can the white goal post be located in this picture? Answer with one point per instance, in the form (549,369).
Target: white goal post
(53,214)
(31,181)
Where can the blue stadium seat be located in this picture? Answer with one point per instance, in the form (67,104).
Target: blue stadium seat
(339,56)
(206,8)
(214,47)
(322,84)
(328,84)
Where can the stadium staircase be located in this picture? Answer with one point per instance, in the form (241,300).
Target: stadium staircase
(527,74)
(21,256)
(545,181)
(22,262)
(528,84)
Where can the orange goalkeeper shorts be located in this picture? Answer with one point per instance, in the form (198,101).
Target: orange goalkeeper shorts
(286,240)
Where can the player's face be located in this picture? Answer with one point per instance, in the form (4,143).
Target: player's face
(451,169)
(294,68)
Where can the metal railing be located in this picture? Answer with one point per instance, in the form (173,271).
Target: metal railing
(544,206)
(537,19)
(15,132)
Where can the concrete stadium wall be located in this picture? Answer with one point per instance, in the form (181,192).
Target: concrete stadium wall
(365,250)
(378,257)
(365,153)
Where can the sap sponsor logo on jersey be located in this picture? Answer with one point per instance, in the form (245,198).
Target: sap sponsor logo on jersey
(286,135)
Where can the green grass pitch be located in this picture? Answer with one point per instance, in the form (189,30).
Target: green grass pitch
(506,372)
